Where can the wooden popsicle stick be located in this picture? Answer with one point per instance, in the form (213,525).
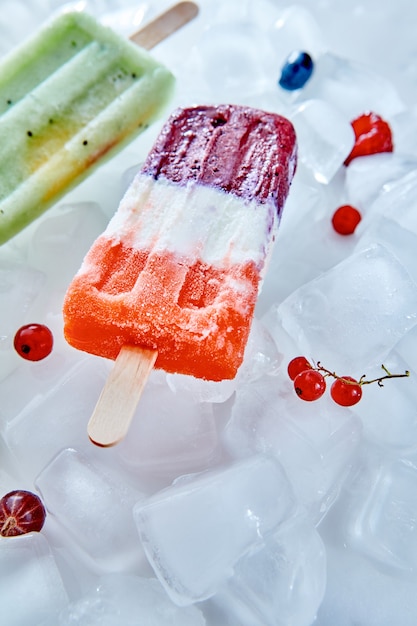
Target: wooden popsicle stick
(116,405)
(165,24)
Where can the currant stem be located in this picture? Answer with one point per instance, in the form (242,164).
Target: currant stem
(362,380)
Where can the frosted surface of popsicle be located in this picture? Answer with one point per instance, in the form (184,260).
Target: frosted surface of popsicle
(69,97)
(179,267)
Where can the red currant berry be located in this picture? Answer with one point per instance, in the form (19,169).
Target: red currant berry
(309,385)
(345,219)
(297,365)
(21,512)
(33,342)
(372,135)
(346,393)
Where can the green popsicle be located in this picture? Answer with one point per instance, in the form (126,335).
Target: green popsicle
(70,97)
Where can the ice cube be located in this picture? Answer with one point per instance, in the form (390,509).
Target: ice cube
(358,593)
(366,176)
(29,380)
(65,234)
(127,600)
(31,588)
(94,509)
(316,444)
(305,199)
(406,349)
(281,584)
(305,212)
(171,434)
(201,390)
(234,59)
(352,315)
(296,29)
(325,138)
(195,531)
(390,234)
(261,355)
(397,201)
(351,87)
(10,477)
(389,413)
(52,418)
(404,130)
(383,516)
(20,285)
(298,260)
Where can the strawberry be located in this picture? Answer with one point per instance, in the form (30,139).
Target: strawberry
(372,135)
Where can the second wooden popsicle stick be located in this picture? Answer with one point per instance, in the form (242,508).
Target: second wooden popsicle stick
(119,398)
(165,24)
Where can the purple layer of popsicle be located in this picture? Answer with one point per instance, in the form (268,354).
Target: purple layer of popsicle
(241,150)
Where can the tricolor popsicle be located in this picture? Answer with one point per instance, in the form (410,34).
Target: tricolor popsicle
(178,269)
(70,97)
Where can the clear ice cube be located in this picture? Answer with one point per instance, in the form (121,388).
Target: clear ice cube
(195,531)
(404,130)
(31,587)
(94,509)
(366,176)
(55,415)
(388,414)
(316,444)
(296,28)
(19,287)
(65,234)
(230,59)
(284,583)
(325,138)
(383,525)
(127,600)
(397,201)
(352,315)
(400,241)
(172,433)
(201,390)
(261,355)
(358,593)
(352,87)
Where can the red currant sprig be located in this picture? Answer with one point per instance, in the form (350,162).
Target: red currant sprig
(310,382)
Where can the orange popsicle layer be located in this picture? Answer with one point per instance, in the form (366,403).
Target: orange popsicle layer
(193,315)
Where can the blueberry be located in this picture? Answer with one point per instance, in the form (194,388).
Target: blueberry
(296,71)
